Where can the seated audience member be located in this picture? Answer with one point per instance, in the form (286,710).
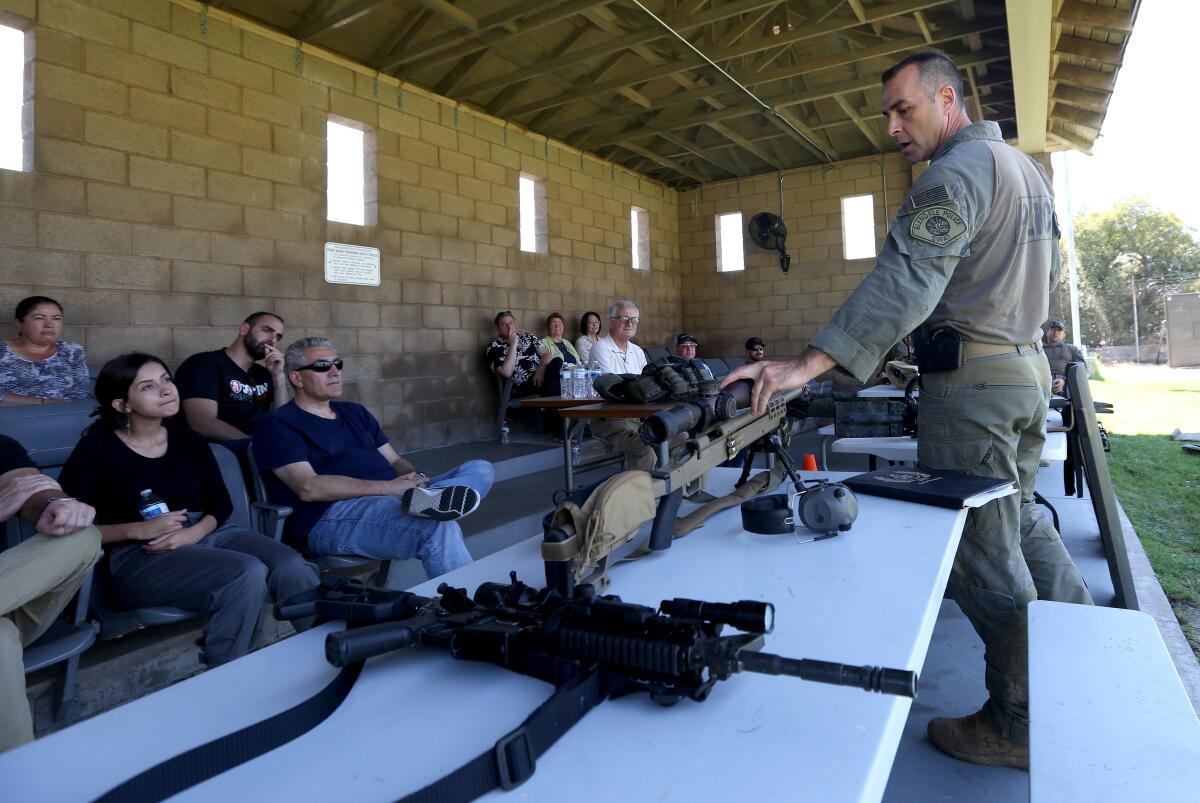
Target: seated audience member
(352,494)
(226,392)
(188,557)
(589,333)
(38,577)
(617,354)
(522,357)
(559,347)
(1058,354)
(686,346)
(756,349)
(35,366)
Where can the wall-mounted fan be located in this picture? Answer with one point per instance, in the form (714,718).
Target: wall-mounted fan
(767,231)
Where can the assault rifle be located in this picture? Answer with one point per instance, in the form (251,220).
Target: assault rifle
(590,648)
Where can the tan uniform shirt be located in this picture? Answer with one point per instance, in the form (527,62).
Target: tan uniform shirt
(974,247)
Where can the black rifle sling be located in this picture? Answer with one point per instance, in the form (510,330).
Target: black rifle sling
(509,763)
(514,757)
(210,759)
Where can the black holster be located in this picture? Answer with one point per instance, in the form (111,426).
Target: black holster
(938,350)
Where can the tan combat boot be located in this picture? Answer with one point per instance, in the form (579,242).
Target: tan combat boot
(972,738)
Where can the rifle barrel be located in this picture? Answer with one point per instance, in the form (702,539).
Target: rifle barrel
(870,678)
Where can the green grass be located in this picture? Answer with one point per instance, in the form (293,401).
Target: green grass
(1157,482)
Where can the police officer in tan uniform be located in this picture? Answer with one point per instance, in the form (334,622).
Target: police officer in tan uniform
(1058,354)
(970,259)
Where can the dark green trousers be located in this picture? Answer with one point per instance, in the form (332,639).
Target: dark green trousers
(988,418)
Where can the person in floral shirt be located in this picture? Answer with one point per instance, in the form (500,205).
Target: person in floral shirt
(521,356)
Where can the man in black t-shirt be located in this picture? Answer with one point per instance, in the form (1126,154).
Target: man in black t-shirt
(226,392)
(38,576)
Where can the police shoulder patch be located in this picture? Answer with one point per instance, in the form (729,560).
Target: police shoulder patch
(937,225)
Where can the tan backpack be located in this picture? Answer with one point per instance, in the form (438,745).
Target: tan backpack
(609,518)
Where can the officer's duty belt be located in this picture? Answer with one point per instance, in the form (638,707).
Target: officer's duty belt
(974,350)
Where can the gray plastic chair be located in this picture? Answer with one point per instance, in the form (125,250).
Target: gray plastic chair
(656,353)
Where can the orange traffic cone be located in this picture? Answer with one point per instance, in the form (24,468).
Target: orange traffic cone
(810,462)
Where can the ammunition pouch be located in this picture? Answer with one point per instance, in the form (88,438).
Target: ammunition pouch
(939,350)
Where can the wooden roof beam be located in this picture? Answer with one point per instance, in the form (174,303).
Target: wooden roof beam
(1089,49)
(1083,77)
(620,41)
(1029,36)
(665,161)
(1083,98)
(861,124)
(338,18)
(1074,12)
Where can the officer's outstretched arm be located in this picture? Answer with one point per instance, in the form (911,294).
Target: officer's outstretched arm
(776,377)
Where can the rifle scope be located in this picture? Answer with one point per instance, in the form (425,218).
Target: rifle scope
(688,416)
(747,616)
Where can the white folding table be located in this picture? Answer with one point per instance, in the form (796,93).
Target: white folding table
(870,596)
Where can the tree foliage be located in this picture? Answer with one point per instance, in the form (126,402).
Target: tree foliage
(1132,244)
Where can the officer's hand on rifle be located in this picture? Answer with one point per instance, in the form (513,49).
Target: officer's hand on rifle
(777,377)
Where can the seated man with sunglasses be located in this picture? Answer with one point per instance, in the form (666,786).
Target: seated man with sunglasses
(351,492)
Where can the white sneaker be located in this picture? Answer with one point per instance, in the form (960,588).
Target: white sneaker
(441,504)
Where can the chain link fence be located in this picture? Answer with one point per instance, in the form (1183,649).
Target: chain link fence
(1123,321)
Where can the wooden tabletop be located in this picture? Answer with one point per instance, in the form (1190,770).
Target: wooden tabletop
(609,409)
(554,402)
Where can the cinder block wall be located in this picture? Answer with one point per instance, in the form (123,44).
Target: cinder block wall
(723,309)
(178,184)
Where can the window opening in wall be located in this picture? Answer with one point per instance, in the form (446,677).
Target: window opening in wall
(346,172)
(639,228)
(12,96)
(729,242)
(858,227)
(531,194)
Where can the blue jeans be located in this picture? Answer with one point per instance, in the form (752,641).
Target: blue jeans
(377,526)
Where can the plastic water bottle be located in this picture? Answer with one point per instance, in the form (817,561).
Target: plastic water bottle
(592,375)
(565,383)
(150,505)
(504,434)
(581,383)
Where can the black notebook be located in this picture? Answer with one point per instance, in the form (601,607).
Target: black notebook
(938,488)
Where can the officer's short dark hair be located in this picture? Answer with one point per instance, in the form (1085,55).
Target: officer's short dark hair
(936,70)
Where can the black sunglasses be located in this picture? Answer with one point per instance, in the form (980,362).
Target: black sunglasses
(322,366)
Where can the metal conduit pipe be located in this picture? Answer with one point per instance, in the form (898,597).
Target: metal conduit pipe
(766,109)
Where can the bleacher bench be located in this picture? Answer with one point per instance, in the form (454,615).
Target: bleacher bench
(1109,719)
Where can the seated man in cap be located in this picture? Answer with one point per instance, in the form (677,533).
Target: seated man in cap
(685,351)
(756,349)
(1058,354)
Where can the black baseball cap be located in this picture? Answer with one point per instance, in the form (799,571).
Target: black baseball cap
(1056,325)
(685,337)
(754,343)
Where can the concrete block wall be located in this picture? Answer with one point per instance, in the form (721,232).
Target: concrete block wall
(178,183)
(723,309)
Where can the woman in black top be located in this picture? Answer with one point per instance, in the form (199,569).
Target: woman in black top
(188,557)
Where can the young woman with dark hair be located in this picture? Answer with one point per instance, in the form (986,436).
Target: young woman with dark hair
(35,366)
(187,557)
(589,333)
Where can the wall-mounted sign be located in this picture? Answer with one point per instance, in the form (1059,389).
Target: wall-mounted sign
(351,264)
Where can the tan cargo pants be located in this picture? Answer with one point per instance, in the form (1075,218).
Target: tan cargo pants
(988,418)
(38,577)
